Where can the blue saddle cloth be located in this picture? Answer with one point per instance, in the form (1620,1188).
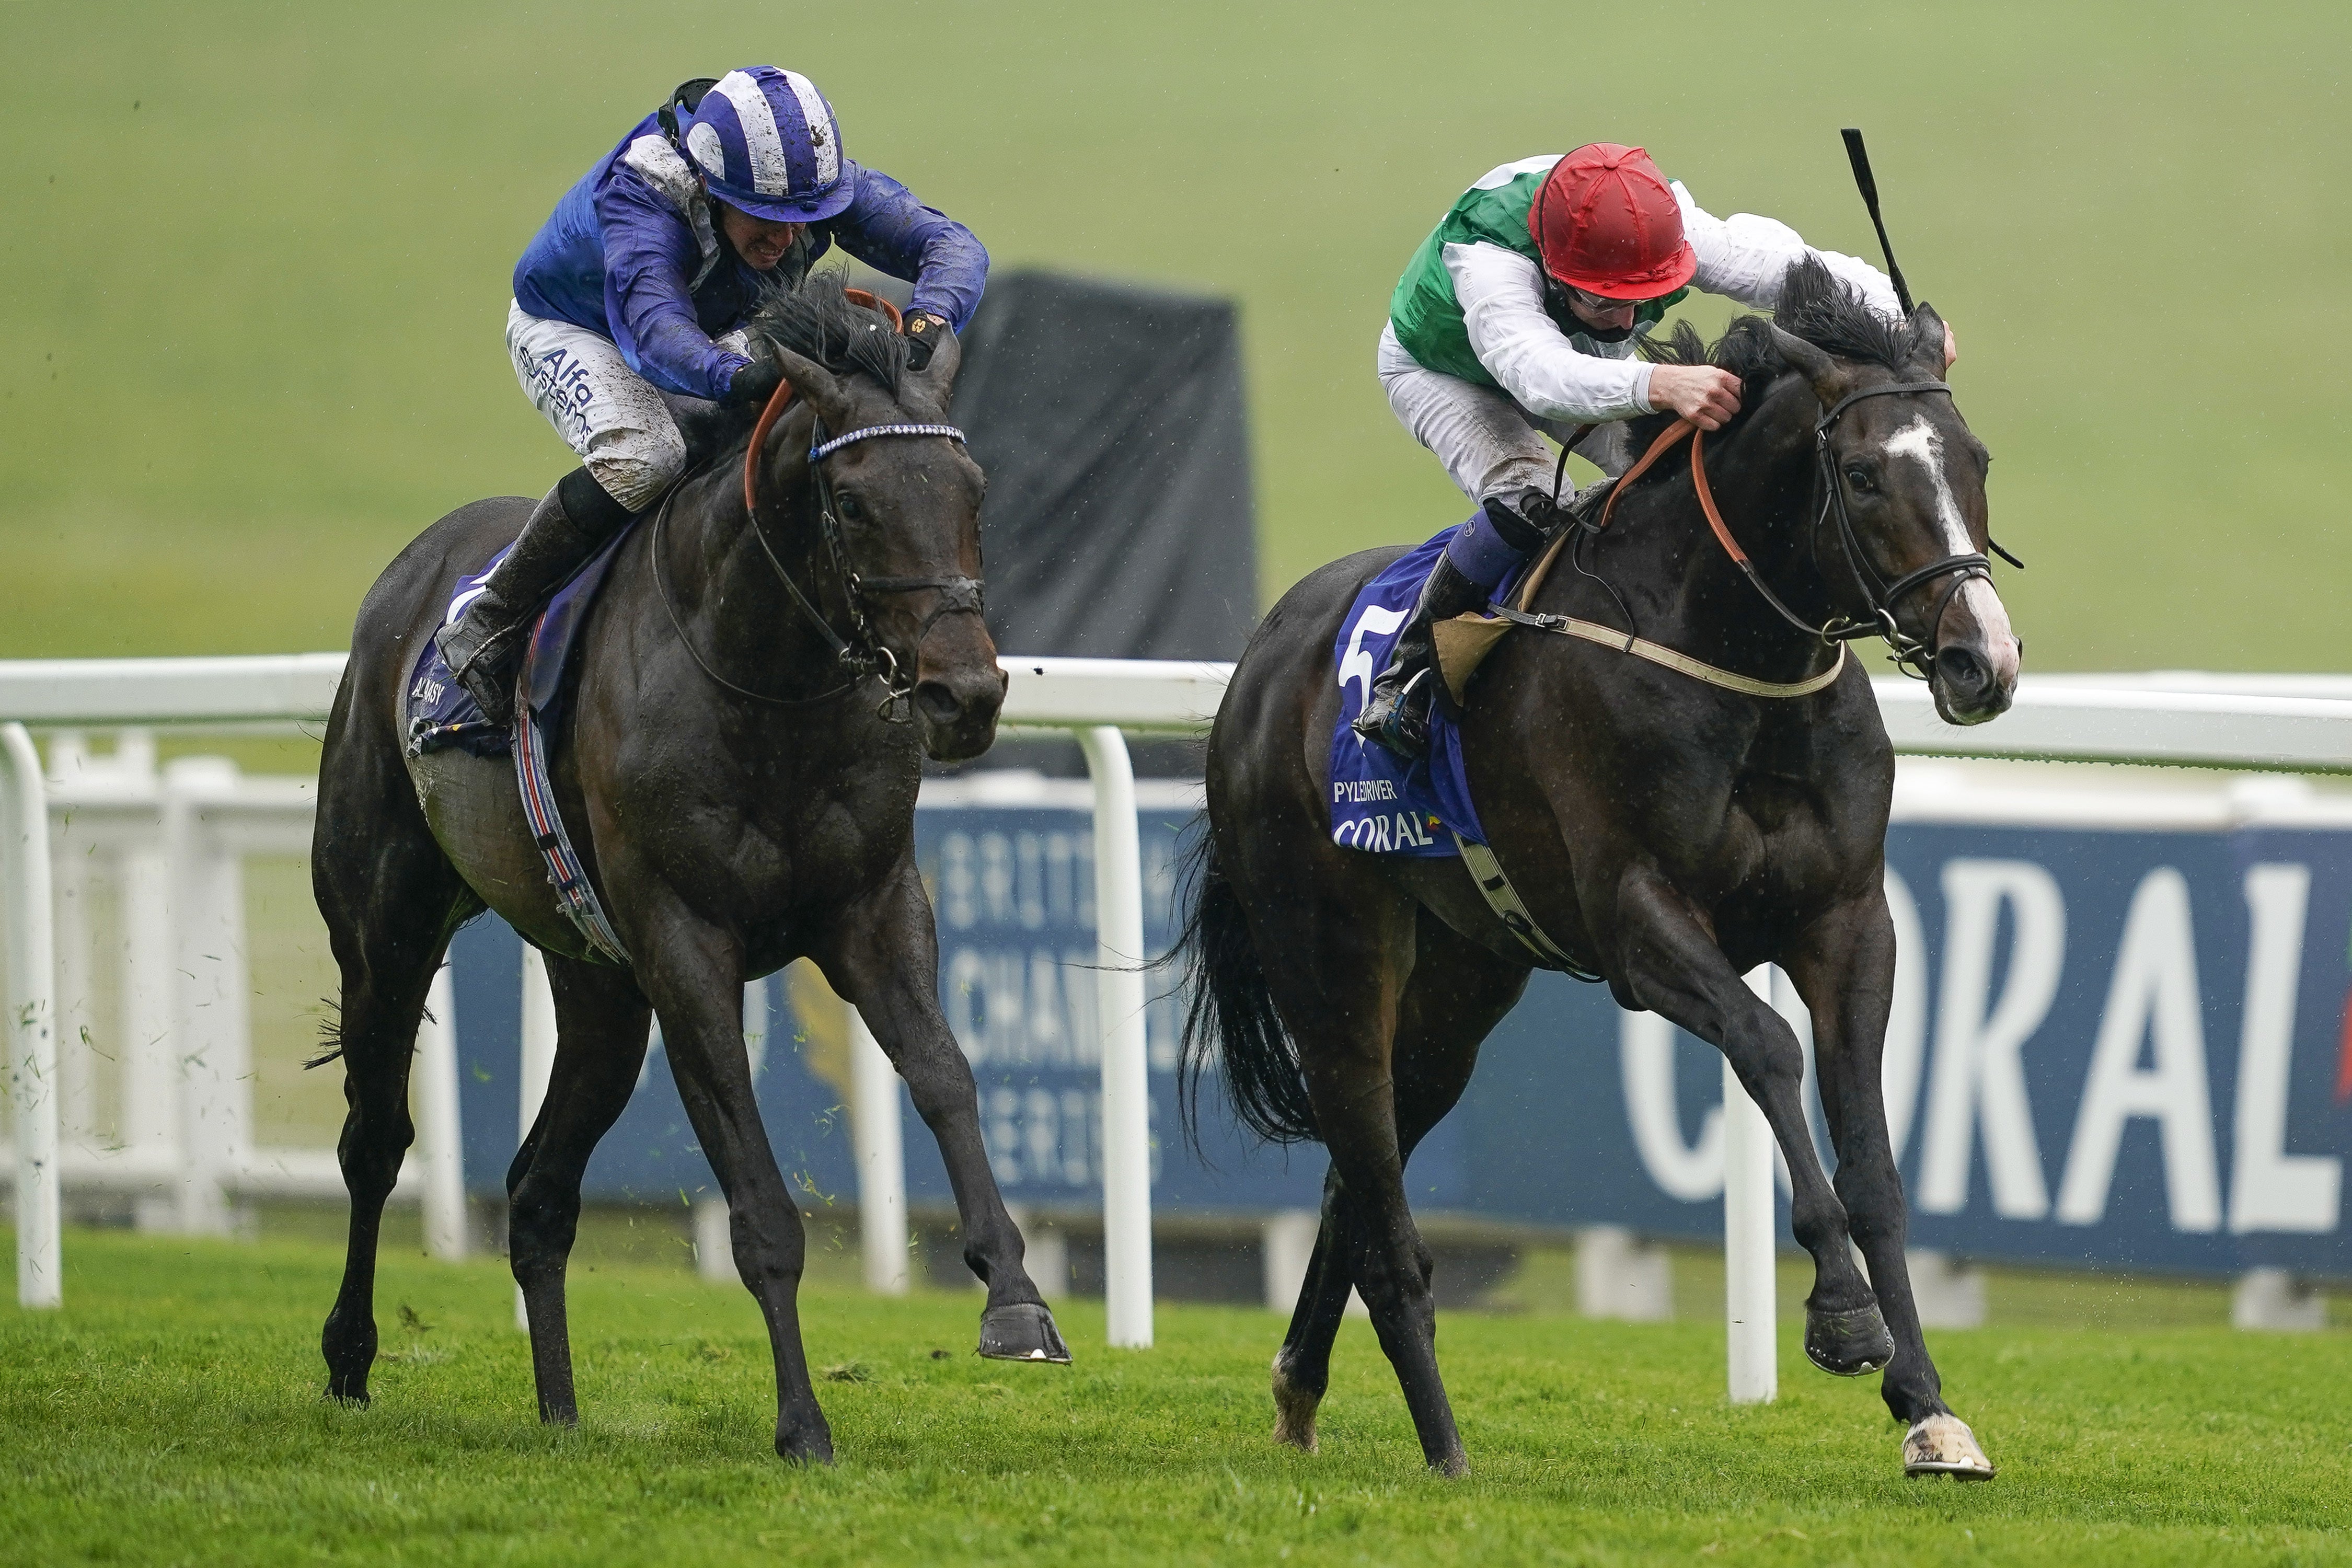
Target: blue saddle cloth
(1380,802)
(441,713)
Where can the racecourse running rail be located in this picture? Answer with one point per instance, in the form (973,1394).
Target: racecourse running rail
(2283,723)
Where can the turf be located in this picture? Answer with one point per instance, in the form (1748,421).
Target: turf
(170,1413)
(256,260)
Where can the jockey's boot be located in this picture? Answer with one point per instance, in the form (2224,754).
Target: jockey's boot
(1481,554)
(484,645)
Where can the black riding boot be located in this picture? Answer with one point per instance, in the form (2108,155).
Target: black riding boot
(484,645)
(1396,713)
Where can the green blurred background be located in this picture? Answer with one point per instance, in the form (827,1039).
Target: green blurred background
(254,262)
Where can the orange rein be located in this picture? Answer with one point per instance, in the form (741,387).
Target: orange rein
(1666,438)
(783,396)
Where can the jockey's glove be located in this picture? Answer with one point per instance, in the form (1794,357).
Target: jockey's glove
(923,331)
(755,383)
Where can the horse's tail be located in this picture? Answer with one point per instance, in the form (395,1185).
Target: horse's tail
(1231,1021)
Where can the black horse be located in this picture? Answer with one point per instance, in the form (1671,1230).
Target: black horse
(1667,832)
(739,773)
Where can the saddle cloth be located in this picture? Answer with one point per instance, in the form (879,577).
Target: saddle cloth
(1380,802)
(440,711)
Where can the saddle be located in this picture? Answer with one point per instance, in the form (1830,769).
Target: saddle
(442,714)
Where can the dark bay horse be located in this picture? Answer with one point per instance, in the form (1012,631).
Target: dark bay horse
(1667,833)
(742,795)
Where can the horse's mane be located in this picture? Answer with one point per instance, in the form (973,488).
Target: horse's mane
(1815,305)
(816,321)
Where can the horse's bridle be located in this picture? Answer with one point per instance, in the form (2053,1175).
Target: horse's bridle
(1915,656)
(863,653)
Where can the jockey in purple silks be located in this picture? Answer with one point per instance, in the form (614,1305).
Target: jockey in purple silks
(637,286)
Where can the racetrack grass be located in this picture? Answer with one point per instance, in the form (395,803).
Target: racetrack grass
(170,1413)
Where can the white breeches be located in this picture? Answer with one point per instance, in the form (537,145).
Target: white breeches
(1489,445)
(607,413)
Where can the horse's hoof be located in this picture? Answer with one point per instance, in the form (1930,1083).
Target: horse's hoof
(1943,1446)
(1294,1412)
(1023,1330)
(804,1444)
(1453,1466)
(1848,1344)
(345,1391)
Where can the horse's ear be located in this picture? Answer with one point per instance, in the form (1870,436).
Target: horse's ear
(1813,363)
(817,385)
(1927,340)
(938,378)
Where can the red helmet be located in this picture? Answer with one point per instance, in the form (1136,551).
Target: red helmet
(1606,222)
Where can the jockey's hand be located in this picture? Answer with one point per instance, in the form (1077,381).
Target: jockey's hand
(755,383)
(1701,394)
(923,329)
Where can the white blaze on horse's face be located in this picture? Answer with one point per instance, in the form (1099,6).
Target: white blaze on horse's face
(1977,611)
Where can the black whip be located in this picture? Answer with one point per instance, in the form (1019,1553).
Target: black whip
(1860,159)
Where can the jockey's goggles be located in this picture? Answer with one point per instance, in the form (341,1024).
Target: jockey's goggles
(1593,301)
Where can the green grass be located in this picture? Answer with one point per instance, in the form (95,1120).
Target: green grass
(170,1414)
(250,328)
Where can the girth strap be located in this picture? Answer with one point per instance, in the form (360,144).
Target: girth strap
(1486,874)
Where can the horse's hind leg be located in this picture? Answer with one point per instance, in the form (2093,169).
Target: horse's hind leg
(1457,993)
(1844,969)
(390,898)
(601,1023)
(1337,942)
(883,958)
(1674,967)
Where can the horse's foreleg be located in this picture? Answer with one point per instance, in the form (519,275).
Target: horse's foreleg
(693,975)
(1844,969)
(883,957)
(599,1022)
(1457,993)
(1672,966)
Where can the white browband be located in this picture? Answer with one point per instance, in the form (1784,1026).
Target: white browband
(838,442)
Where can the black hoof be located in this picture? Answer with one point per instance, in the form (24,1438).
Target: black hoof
(1848,1344)
(1021,1331)
(345,1391)
(805,1446)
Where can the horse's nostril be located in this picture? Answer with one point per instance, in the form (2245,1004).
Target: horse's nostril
(1965,671)
(939,704)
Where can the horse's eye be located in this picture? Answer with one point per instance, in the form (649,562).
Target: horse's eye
(850,511)
(1858,477)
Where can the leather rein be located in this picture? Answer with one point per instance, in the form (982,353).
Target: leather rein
(863,653)
(1915,658)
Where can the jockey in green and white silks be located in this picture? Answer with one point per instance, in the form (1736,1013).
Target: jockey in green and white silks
(1515,320)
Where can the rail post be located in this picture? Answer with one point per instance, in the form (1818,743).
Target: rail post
(876,1130)
(1748,1307)
(32,1023)
(1126,1102)
(440,1145)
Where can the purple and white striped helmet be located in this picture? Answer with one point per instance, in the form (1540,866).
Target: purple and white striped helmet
(766,142)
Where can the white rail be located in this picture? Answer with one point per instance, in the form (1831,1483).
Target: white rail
(2278,723)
